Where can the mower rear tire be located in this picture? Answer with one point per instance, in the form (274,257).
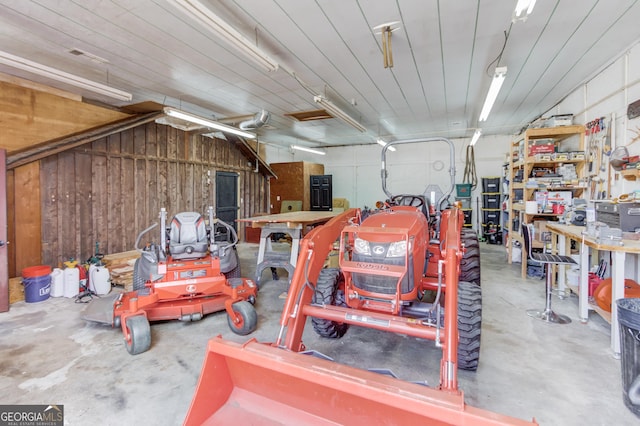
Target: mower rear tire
(328,293)
(139,335)
(469,325)
(470,263)
(139,280)
(248,321)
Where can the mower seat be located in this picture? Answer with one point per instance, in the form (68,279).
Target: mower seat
(188,236)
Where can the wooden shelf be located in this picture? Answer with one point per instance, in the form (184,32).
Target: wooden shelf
(604,314)
(544,214)
(535,162)
(522,161)
(631,174)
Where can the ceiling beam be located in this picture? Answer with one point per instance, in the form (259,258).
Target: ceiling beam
(55,146)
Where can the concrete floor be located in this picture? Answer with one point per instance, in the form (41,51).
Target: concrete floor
(559,374)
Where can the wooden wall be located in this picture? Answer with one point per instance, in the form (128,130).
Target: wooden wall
(110,190)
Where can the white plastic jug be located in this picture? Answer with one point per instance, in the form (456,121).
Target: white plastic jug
(57,283)
(71,282)
(99,280)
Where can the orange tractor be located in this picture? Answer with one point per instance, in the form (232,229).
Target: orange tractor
(408,268)
(194,271)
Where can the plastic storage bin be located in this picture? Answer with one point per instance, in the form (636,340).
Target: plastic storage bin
(491,184)
(463,190)
(491,216)
(491,201)
(465,202)
(467,216)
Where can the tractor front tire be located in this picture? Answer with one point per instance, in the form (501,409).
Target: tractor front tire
(470,263)
(139,335)
(469,325)
(328,293)
(248,321)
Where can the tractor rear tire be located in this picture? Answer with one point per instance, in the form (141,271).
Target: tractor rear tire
(249,321)
(328,293)
(139,280)
(140,332)
(470,263)
(469,325)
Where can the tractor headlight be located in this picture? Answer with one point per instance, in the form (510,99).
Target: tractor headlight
(362,246)
(397,249)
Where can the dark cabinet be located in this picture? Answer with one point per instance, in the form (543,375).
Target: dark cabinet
(321,192)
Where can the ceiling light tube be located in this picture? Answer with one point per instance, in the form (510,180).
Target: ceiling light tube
(496,84)
(383,143)
(200,13)
(475,137)
(311,150)
(63,77)
(523,5)
(338,113)
(176,113)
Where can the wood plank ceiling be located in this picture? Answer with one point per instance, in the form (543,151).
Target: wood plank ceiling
(443,54)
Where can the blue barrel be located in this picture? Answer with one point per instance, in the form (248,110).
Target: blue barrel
(37,283)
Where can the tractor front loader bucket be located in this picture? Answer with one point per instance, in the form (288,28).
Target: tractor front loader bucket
(260,384)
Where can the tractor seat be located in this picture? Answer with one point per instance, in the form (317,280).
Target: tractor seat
(188,236)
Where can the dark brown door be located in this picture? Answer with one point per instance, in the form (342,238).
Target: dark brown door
(4,269)
(321,192)
(227,198)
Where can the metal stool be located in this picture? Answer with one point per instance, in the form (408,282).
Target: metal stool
(548,260)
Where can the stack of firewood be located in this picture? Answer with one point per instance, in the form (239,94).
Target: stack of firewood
(120,267)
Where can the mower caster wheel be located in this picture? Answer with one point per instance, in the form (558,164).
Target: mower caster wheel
(196,317)
(139,336)
(245,321)
(116,322)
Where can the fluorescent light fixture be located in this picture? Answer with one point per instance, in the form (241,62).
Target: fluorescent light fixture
(475,137)
(176,113)
(200,13)
(311,150)
(522,6)
(63,77)
(336,112)
(383,143)
(496,84)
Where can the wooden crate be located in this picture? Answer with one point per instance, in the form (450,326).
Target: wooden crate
(292,183)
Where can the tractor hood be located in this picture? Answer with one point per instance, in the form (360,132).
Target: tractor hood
(403,219)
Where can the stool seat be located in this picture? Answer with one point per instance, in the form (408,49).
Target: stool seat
(548,260)
(552,258)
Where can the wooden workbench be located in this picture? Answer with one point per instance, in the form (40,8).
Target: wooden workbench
(294,224)
(291,219)
(618,249)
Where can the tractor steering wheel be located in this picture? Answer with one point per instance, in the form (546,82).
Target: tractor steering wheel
(408,200)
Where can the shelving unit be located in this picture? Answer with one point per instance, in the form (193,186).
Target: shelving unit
(630,174)
(536,159)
